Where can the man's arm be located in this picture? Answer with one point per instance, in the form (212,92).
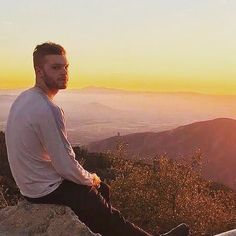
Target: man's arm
(54,139)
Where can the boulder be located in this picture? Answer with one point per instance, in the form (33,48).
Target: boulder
(228,233)
(26,219)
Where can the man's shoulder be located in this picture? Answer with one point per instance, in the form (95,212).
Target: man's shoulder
(26,95)
(35,103)
(32,101)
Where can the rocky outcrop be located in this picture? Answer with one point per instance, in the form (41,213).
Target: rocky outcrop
(228,233)
(28,219)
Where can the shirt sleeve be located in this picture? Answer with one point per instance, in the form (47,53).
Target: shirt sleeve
(54,139)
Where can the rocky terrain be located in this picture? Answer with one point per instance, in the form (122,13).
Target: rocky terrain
(27,219)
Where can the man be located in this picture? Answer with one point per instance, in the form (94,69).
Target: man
(42,160)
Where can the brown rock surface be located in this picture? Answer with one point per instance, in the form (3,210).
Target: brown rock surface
(27,219)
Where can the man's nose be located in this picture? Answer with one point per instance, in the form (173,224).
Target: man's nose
(64,71)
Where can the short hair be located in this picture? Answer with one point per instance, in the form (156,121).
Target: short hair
(44,49)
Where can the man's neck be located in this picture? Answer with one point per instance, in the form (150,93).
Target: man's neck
(49,92)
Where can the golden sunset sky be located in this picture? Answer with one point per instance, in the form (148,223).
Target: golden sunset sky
(148,45)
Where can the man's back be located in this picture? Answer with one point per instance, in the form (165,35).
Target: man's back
(30,164)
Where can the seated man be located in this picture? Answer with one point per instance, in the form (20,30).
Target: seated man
(42,160)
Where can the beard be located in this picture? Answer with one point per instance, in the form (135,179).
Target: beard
(51,82)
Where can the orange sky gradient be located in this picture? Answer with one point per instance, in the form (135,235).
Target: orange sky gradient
(167,46)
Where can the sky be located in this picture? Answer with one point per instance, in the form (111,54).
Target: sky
(143,45)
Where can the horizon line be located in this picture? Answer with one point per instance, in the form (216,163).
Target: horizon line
(128,90)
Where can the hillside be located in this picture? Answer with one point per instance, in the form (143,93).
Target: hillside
(216,139)
(173,194)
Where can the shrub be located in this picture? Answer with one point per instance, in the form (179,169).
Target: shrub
(166,193)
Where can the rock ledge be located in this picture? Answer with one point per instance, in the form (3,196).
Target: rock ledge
(27,219)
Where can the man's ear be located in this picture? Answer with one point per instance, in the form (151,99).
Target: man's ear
(38,70)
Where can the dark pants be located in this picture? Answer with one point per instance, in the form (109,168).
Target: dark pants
(92,206)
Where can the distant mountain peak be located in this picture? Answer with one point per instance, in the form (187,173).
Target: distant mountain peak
(224,122)
(95,89)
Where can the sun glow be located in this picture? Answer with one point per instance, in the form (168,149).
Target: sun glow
(146,46)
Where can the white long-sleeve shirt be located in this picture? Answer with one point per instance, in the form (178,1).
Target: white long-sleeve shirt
(39,153)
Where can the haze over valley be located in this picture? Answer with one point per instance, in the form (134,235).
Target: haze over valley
(94,114)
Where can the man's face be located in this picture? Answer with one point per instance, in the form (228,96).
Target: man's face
(54,71)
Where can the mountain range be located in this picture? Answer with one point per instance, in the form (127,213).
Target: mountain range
(215,139)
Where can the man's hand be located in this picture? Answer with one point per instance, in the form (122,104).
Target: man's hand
(96,180)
